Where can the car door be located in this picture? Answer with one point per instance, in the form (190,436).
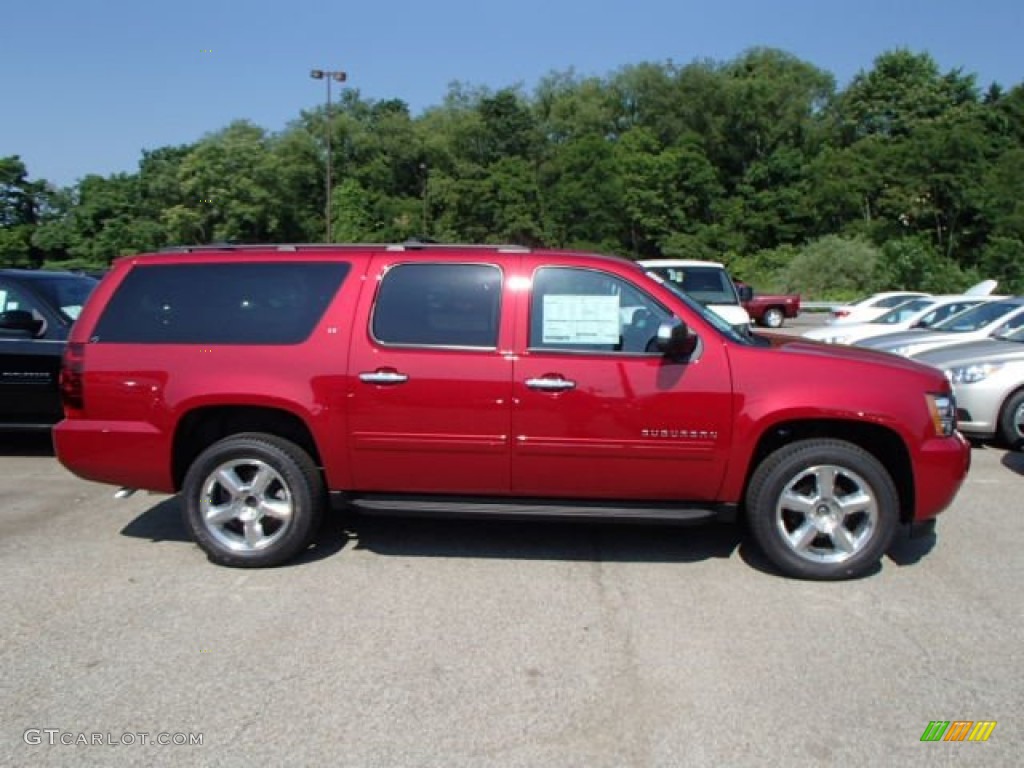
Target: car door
(429,397)
(29,359)
(597,412)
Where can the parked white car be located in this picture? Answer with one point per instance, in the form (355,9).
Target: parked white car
(988,381)
(867,309)
(980,322)
(707,282)
(923,312)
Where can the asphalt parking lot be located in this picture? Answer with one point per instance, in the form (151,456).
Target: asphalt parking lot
(452,643)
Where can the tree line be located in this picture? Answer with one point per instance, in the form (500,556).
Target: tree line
(908,177)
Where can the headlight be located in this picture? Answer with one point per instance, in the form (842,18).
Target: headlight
(969,374)
(943,410)
(835,339)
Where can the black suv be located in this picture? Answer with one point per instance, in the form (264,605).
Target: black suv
(37,309)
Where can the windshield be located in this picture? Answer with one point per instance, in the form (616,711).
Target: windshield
(903,312)
(714,319)
(977,317)
(708,285)
(68,294)
(1011,330)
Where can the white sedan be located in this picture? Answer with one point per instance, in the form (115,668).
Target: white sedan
(867,309)
(922,312)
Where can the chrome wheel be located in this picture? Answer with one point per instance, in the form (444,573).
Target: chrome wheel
(246,505)
(826,514)
(773,318)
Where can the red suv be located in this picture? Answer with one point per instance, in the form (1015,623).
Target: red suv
(260,382)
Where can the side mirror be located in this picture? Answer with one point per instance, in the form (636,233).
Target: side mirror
(746,293)
(674,340)
(20,321)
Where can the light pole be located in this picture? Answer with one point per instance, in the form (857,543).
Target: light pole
(339,77)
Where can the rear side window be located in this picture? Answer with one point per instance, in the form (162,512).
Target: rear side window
(252,303)
(444,305)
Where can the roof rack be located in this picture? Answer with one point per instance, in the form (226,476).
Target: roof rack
(414,244)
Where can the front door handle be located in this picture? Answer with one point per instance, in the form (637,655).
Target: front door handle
(383,377)
(550,384)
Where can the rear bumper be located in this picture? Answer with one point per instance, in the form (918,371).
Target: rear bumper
(942,467)
(132,454)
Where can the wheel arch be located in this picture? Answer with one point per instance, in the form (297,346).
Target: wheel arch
(882,443)
(1003,414)
(203,426)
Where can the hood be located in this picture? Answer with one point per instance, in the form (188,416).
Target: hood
(798,345)
(829,331)
(913,336)
(968,353)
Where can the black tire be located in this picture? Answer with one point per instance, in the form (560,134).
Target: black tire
(1011,420)
(818,533)
(268,492)
(773,317)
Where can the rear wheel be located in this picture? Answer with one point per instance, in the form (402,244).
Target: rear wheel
(772,318)
(822,509)
(253,500)
(1011,420)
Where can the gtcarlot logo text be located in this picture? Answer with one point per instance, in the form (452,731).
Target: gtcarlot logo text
(56,737)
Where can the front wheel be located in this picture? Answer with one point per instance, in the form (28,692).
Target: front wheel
(1011,420)
(773,318)
(822,509)
(253,500)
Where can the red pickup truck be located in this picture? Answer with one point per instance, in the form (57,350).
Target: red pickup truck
(768,309)
(262,382)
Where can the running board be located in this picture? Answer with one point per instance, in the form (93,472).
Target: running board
(376,504)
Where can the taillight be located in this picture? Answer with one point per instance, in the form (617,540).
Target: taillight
(72,393)
(840,312)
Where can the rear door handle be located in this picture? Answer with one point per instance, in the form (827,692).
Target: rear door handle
(383,377)
(550,384)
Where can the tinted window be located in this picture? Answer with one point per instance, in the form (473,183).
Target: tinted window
(945,312)
(67,294)
(903,312)
(977,317)
(14,300)
(1011,326)
(589,311)
(891,301)
(708,285)
(253,303)
(447,305)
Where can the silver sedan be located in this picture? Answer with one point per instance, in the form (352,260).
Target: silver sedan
(988,381)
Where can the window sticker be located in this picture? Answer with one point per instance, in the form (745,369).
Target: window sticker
(581,319)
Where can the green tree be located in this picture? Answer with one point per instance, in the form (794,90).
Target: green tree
(19,214)
(901,90)
(834,268)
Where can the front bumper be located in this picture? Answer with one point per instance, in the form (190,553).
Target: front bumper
(941,468)
(978,406)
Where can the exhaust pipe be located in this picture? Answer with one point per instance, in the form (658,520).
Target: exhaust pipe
(124,493)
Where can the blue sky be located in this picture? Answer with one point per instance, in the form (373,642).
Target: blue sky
(88,84)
